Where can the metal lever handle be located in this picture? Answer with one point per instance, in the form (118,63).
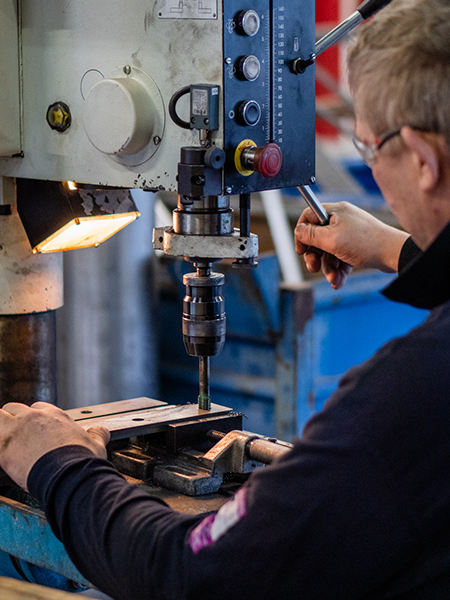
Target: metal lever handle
(370,7)
(314,204)
(364,11)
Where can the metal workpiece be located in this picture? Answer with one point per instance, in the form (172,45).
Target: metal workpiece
(28,358)
(194,246)
(142,416)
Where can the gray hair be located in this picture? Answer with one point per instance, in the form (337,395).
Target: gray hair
(399,67)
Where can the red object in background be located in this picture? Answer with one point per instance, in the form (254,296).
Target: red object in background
(327,17)
(329,14)
(327,10)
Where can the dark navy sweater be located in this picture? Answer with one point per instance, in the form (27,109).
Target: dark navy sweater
(359,509)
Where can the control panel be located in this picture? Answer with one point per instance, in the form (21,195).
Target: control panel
(269,112)
(94,83)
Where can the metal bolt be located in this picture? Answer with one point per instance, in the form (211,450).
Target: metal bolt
(206,121)
(312,180)
(228,60)
(156,140)
(127,69)
(228,190)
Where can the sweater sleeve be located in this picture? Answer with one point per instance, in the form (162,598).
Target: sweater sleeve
(408,253)
(113,532)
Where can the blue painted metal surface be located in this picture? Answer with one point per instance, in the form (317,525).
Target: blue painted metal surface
(26,535)
(275,371)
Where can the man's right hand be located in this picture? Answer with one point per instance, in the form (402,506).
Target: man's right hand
(353,238)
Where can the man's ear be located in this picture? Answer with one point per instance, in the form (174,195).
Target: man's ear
(426,157)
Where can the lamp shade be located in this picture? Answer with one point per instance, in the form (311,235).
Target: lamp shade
(56,217)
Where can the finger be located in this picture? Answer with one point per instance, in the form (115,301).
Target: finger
(308,216)
(47,407)
(100,434)
(15,408)
(5,416)
(340,280)
(335,270)
(313,259)
(305,235)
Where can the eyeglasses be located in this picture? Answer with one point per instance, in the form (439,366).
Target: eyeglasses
(368,151)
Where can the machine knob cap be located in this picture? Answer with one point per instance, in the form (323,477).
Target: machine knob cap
(265,159)
(248,22)
(249,67)
(249,112)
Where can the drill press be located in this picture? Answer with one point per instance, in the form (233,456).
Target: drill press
(203,233)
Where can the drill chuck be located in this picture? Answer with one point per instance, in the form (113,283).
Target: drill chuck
(204,322)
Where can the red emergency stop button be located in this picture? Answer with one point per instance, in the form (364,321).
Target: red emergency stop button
(265,159)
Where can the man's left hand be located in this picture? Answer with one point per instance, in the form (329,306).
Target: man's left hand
(29,432)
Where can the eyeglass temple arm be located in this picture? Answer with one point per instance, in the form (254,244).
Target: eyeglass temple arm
(364,11)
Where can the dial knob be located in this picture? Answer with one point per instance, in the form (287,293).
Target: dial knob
(118,116)
(265,159)
(249,112)
(248,22)
(249,67)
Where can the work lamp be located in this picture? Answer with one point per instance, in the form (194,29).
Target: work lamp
(65,216)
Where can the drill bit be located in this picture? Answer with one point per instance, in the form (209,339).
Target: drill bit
(204,398)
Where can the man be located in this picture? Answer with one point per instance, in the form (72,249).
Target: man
(360,508)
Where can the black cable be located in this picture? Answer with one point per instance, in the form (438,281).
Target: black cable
(173,107)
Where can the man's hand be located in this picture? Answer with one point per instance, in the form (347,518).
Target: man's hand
(29,432)
(352,239)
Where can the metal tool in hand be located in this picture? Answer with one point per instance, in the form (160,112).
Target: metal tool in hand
(314,204)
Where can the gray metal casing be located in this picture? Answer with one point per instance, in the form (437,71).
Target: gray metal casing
(67,47)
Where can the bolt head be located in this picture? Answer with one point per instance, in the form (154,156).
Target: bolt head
(127,69)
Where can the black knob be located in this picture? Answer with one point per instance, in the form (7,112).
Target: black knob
(249,113)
